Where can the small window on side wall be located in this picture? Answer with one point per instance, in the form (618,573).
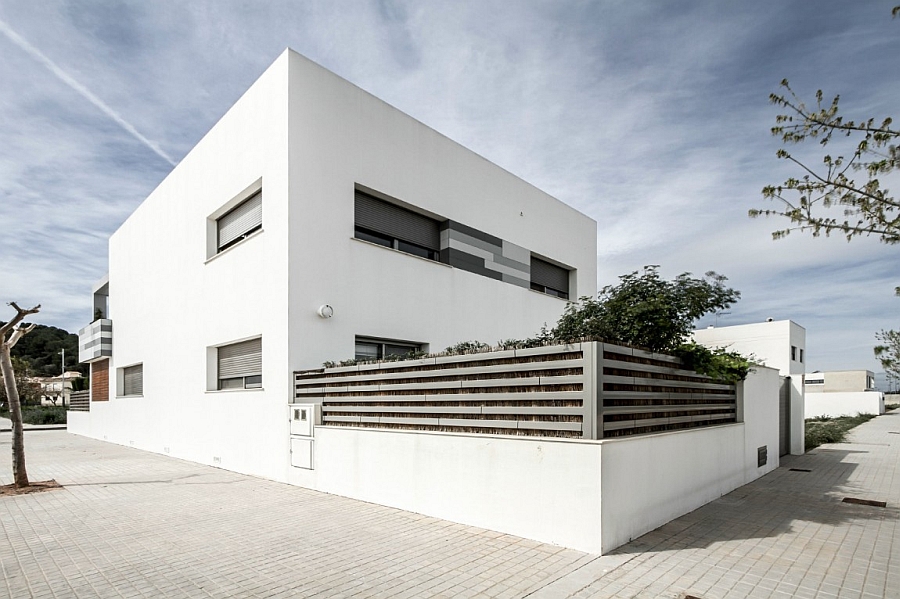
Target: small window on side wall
(131,381)
(239,365)
(239,223)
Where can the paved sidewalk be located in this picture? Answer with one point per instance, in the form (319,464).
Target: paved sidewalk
(136,524)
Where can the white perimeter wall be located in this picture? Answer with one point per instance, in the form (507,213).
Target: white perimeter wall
(535,488)
(588,495)
(844,403)
(648,481)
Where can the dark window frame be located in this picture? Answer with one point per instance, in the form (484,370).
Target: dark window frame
(384,347)
(253,228)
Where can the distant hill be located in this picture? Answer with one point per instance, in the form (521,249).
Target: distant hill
(41,349)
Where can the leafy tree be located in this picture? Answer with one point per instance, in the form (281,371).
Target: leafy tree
(832,199)
(645,310)
(888,353)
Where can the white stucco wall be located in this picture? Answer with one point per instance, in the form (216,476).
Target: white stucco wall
(168,303)
(342,136)
(588,495)
(844,403)
(308,137)
(650,480)
(541,489)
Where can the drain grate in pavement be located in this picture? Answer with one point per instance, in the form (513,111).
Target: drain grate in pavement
(871,502)
(800,470)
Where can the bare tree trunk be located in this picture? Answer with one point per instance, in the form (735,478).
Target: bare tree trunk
(20,476)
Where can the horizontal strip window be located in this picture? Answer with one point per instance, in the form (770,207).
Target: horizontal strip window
(389,225)
(133,380)
(240,222)
(240,365)
(378,349)
(549,278)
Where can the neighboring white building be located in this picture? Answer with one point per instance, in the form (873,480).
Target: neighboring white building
(779,344)
(313,222)
(842,393)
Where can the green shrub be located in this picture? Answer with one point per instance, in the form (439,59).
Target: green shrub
(822,429)
(718,364)
(44,415)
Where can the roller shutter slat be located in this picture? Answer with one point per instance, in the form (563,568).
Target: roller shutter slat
(549,275)
(240,359)
(134,380)
(244,218)
(394,221)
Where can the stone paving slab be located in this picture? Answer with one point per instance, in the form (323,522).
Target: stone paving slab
(135,524)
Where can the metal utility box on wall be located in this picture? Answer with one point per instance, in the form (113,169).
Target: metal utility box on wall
(304,417)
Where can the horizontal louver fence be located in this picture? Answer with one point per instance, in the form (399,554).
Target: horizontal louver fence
(643,392)
(80,401)
(584,390)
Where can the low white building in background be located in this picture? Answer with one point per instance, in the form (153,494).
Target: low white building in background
(779,344)
(842,393)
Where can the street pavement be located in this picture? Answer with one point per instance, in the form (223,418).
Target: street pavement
(129,523)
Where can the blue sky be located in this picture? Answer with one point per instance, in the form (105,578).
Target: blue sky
(652,118)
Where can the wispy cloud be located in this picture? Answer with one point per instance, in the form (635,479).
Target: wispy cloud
(652,119)
(22,43)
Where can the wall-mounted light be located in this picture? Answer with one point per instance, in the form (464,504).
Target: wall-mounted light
(325,311)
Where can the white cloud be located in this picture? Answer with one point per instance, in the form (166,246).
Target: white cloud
(650,118)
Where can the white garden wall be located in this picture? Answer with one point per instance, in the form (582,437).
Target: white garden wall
(849,403)
(588,495)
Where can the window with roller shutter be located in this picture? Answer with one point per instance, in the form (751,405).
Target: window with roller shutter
(387,224)
(241,221)
(240,365)
(549,278)
(133,380)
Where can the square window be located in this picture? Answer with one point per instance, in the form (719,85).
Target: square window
(239,365)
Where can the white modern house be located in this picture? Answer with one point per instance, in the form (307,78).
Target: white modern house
(842,393)
(779,344)
(313,222)
(316,223)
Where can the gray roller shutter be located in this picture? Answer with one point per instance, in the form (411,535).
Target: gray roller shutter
(245,217)
(394,221)
(240,359)
(549,275)
(134,380)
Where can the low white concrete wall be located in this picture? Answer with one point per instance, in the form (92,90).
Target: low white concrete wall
(541,489)
(836,404)
(78,422)
(650,480)
(587,495)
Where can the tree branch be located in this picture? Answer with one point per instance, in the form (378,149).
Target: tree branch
(20,314)
(18,333)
